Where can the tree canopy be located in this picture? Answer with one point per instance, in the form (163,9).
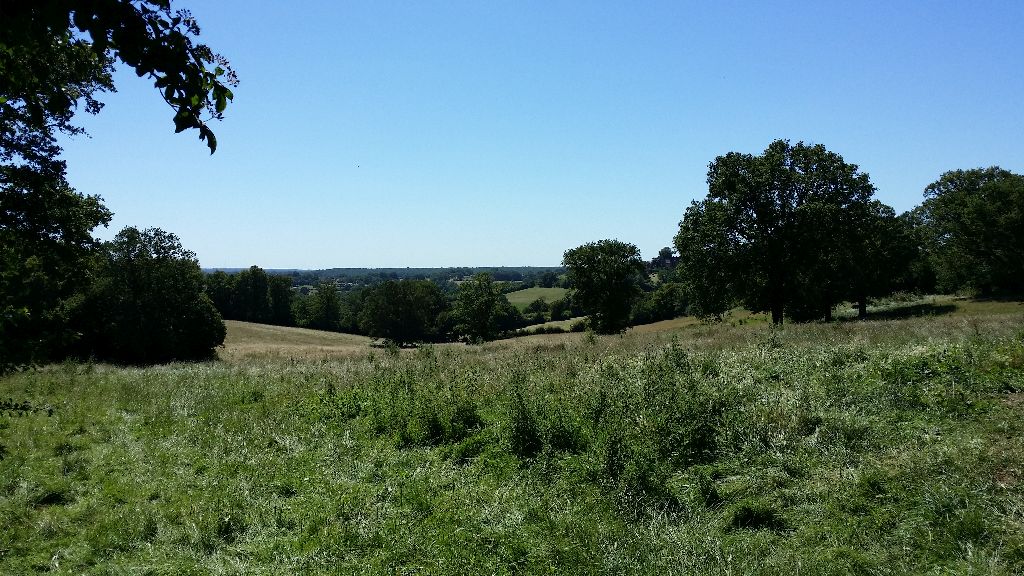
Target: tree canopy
(606,278)
(481,311)
(56,58)
(665,302)
(46,250)
(323,307)
(147,304)
(56,53)
(881,254)
(974,230)
(252,295)
(403,311)
(777,232)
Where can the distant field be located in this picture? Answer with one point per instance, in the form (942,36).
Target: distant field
(522,298)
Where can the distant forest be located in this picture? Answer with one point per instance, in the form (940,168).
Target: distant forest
(368,276)
(404,305)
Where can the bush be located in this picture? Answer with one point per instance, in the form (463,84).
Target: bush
(523,435)
(668,301)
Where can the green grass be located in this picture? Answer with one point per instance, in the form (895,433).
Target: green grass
(522,298)
(879,447)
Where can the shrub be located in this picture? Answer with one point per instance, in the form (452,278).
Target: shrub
(523,434)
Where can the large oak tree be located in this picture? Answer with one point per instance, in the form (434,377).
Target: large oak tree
(148,304)
(606,279)
(777,232)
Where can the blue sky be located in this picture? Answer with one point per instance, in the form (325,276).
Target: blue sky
(380,134)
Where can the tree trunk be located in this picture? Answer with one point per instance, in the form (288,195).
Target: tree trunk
(777,314)
(862,307)
(828,314)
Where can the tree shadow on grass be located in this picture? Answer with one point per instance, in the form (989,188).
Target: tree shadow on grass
(1009,297)
(910,311)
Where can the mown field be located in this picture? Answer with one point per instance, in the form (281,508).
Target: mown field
(888,446)
(523,298)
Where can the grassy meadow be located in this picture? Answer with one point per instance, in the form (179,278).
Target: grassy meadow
(888,446)
(523,298)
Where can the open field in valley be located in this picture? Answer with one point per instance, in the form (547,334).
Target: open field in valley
(522,298)
(888,446)
(246,340)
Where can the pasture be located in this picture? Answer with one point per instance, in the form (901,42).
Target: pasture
(887,446)
(522,298)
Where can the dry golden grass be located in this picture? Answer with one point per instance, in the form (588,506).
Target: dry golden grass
(922,319)
(246,340)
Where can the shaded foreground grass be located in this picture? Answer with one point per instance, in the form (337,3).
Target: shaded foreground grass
(887,447)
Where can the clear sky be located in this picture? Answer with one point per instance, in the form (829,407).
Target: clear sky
(392,134)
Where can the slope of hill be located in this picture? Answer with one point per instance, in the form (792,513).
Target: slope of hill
(892,446)
(522,298)
(247,340)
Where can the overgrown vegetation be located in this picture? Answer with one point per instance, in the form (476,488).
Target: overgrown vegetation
(879,447)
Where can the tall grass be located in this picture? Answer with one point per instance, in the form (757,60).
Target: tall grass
(874,448)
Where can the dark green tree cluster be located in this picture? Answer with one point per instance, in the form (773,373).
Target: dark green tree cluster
(411,311)
(606,277)
(56,58)
(666,301)
(791,232)
(404,311)
(324,309)
(547,280)
(482,312)
(564,308)
(46,255)
(537,312)
(972,224)
(252,296)
(795,231)
(446,278)
(146,303)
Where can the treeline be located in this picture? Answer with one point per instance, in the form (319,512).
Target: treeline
(795,231)
(139,298)
(252,296)
(522,276)
(792,232)
(403,311)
